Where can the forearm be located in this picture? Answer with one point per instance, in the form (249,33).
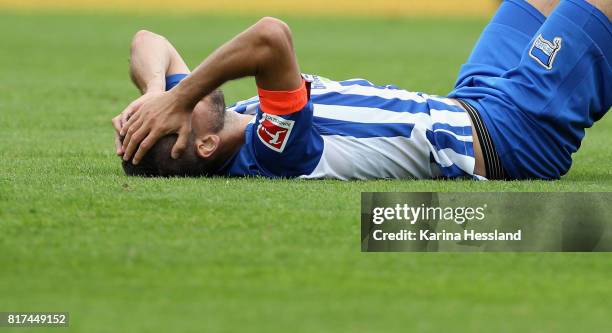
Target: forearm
(150,59)
(231,61)
(264,51)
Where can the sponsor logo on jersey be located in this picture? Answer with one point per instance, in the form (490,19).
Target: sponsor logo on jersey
(316,82)
(274,131)
(544,51)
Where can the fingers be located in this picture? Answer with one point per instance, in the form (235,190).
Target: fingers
(134,144)
(129,124)
(118,145)
(148,119)
(128,112)
(133,135)
(129,129)
(117,125)
(124,117)
(145,145)
(119,122)
(134,106)
(181,143)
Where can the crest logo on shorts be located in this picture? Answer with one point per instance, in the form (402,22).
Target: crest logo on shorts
(544,51)
(274,131)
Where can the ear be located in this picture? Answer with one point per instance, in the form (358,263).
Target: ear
(206,146)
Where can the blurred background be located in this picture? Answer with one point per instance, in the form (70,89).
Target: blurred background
(233,255)
(274,7)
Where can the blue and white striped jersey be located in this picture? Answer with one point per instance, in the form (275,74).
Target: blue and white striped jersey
(354,129)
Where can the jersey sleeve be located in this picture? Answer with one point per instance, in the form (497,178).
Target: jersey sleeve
(174,79)
(284,140)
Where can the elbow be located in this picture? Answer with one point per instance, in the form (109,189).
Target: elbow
(143,36)
(273,33)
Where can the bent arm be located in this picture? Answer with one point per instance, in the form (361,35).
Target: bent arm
(152,58)
(265,51)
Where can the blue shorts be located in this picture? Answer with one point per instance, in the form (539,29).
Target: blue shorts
(538,83)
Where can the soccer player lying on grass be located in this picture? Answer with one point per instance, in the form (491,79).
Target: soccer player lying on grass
(519,109)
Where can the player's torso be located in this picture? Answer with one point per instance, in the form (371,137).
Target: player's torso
(366,132)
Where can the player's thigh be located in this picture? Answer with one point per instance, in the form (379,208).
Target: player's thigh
(502,42)
(566,65)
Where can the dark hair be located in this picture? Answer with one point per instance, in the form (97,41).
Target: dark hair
(158,162)
(217,103)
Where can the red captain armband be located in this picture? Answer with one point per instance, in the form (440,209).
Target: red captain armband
(281,103)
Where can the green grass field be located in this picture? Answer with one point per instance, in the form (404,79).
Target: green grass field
(247,255)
